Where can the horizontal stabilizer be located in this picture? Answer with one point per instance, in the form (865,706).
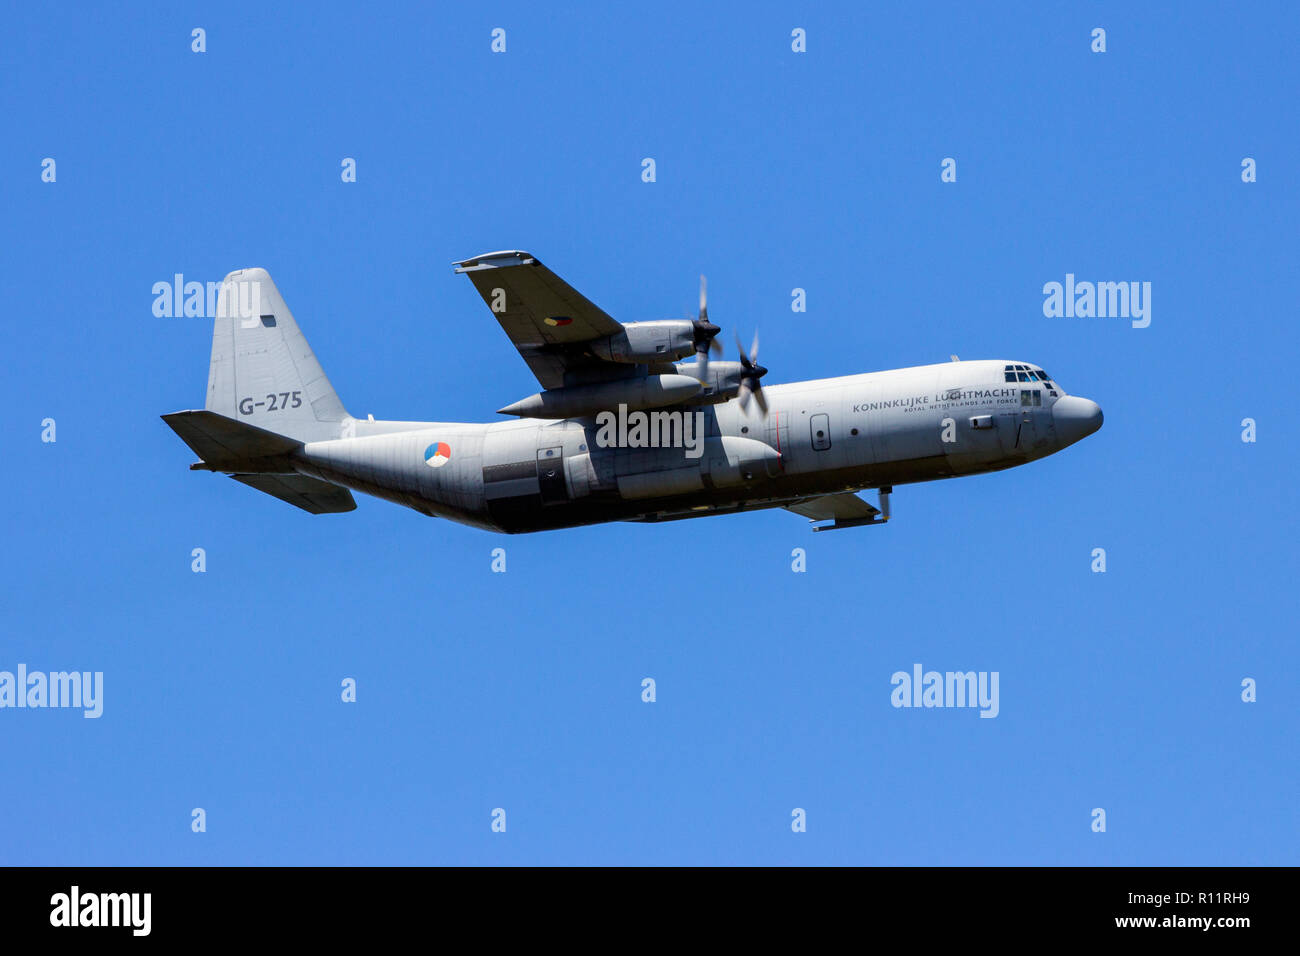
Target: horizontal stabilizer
(309,494)
(228,445)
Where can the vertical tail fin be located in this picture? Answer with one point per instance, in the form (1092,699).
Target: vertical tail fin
(263,372)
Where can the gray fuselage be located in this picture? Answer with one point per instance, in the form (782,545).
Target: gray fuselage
(819,437)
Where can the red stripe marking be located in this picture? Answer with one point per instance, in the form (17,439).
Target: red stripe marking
(780,462)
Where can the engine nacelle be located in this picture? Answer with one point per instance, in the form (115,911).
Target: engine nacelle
(642,342)
(726,462)
(577,401)
(720,384)
(733,460)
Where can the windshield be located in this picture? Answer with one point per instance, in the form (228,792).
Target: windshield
(1027,373)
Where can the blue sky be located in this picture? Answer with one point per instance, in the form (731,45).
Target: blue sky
(521,690)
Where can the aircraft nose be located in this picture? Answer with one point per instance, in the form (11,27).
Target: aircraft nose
(1076,418)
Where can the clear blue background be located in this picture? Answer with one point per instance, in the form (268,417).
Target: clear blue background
(522,690)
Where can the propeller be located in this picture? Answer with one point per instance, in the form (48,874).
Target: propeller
(705,332)
(750,374)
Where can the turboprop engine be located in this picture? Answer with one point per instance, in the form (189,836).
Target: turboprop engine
(642,342)
(577,401)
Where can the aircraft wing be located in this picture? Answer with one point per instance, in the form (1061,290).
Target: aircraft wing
(842,507)
(548,320)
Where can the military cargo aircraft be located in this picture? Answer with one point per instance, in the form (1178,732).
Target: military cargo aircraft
(622,430)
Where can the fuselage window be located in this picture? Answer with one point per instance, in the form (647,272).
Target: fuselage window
(1031,396)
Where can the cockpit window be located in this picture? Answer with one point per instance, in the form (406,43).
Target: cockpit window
(1026,373)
